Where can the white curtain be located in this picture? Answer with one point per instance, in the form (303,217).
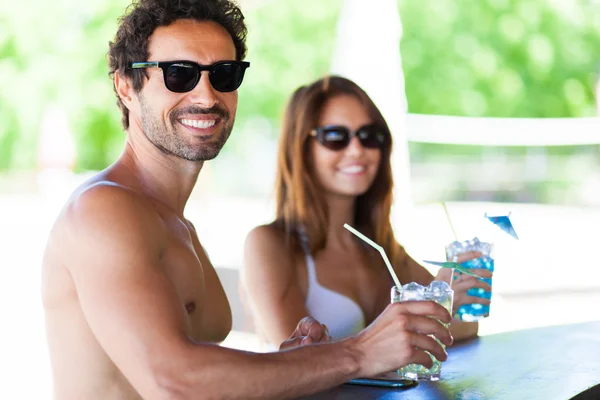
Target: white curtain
(367,51)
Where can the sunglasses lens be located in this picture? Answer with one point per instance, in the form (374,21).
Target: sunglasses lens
(181,77)
(335,138)
(372,137)
(226,77)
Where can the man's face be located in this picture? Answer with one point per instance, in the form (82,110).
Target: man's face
(194,125)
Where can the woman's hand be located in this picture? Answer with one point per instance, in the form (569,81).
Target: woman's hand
(462,282)
(308,331)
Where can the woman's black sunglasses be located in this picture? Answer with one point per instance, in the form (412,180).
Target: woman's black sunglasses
(337,137)
(183,76)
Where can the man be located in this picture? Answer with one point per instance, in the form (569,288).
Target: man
(134,309)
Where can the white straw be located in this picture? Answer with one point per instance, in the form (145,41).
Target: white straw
(381,251)
(449,220)
(453,232)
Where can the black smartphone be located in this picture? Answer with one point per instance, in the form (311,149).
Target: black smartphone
(389,380)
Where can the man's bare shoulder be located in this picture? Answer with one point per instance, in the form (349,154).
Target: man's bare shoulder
(106,201)
(102,215)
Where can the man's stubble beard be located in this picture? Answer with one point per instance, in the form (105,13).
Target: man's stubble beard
(167,140)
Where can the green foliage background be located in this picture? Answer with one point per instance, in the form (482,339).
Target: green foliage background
(501,58)
(509,58)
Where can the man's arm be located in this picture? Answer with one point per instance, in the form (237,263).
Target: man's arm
(114,239)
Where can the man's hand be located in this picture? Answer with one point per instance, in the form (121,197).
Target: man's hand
(462,282)
(308,331)
(400,336)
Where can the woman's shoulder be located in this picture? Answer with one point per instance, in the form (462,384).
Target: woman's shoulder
(268,234)
(267,249)
(272,239)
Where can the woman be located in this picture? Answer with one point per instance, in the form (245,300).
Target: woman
(333,168)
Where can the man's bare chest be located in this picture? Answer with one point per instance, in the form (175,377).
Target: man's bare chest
(195,281)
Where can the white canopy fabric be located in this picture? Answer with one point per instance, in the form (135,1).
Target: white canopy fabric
(367,51)
(487,131)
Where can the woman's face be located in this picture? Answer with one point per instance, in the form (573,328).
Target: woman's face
(351,170)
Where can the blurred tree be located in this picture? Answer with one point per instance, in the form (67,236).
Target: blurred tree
(52,56)
(20,94)
(63,62)
(495,57)
(289,44)
(501,58)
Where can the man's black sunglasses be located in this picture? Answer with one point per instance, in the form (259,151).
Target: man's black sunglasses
(183,76)
(336,137)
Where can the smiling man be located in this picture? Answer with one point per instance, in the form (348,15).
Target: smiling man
(133,306)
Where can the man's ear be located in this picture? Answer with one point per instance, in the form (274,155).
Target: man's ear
(124,89)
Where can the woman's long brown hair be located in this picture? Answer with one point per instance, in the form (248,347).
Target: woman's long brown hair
(299,199)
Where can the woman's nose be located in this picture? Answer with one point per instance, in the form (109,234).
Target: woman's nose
(355,147)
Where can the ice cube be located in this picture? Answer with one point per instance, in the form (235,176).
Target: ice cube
(412,291)
(453,249)
(485,249)
(438,288)
(456,248)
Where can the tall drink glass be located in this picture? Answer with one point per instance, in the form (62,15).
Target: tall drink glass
(473,312)
(437,291)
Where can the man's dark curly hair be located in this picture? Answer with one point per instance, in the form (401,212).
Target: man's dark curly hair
(144,16)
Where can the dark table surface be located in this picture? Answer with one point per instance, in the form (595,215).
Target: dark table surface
(548,363)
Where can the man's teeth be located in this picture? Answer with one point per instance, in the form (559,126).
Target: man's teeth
(354,169)
(202,124)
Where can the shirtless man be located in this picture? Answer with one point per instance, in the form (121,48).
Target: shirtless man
(134,308)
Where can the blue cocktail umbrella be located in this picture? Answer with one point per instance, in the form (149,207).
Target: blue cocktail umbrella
(503,222)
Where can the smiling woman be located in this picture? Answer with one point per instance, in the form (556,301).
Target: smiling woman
(333,168)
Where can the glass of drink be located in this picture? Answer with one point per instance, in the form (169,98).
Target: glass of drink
(473,312)
(437,291)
